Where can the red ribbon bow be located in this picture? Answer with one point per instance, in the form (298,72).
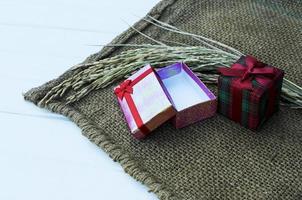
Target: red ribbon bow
(253,70)
(125,87)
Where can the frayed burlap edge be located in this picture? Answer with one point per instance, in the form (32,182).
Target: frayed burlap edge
(90,130)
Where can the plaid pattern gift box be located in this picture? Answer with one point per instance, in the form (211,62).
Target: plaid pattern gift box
(249,91)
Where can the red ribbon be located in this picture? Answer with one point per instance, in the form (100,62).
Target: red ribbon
(253,70)
(244,75)
(125,90)
(124,87)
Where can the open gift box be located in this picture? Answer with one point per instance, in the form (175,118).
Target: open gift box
(192,100)
(149,98)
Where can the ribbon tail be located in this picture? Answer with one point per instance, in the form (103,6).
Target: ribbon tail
(136,116)
(236,102)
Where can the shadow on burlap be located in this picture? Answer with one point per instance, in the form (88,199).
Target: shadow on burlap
(216,158)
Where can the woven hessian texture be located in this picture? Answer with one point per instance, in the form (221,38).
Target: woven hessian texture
(217,158)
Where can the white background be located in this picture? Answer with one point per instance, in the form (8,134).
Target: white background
(43,155)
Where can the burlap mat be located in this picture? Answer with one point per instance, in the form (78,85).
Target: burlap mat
(217,158)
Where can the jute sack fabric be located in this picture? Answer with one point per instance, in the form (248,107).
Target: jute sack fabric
(216,158)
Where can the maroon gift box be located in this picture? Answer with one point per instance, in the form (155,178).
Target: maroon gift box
(249,91)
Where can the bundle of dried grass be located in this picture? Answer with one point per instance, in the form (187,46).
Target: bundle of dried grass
(203,60)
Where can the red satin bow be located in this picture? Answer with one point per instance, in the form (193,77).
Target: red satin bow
(245,74)
(125,87)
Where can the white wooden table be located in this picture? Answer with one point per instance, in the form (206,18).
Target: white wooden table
(43,155)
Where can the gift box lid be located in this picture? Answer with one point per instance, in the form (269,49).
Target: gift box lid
(144,102)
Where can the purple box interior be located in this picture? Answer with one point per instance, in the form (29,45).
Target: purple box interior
(183,88)
(187,94)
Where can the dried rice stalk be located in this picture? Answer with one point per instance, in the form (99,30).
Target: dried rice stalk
(203,60)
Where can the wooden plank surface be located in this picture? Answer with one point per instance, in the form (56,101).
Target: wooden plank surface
(43,155)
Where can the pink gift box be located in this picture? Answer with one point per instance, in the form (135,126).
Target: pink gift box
(149,98)
(192,100)
(144,102)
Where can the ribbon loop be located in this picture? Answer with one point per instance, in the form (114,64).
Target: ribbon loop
(124,87)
